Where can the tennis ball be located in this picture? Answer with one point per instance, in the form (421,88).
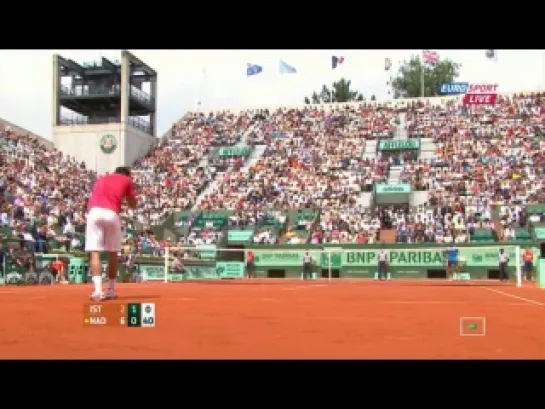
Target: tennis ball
(472,326)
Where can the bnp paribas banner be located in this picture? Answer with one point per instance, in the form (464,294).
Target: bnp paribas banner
(424,257)
(281,258)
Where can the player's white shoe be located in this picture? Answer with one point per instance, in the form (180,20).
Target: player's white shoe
(98,296)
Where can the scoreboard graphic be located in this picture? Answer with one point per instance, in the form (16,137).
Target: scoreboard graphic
(119,315)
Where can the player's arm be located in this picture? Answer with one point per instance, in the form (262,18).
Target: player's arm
(131,196)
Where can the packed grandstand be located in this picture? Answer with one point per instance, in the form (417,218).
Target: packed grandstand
(303,175)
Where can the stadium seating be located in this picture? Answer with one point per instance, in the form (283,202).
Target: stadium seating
(304,175)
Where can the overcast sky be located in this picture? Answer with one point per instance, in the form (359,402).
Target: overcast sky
(218,78)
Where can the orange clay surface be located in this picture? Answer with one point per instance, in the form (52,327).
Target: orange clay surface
(280,319)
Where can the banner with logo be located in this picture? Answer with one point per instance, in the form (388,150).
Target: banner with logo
(383,188)
(152,272)
(239,235)
(217,220)
(399,144)
(417,257)
(284,258)
(481,94)
(230,269)
(156,272)
(231,151)
(473,257)
(453,88)
(392,194)
(200,273)
(332,257)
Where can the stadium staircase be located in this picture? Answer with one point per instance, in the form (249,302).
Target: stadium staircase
(394,175)
(254,156)
(401,132)
(212,186)
(365,199)
(388,236)
(244,139)
(427,148)
(370,151)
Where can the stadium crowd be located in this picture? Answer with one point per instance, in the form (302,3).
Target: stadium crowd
(486,156)
(488,159)
(43,192)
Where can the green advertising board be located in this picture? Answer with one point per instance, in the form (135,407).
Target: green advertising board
(230,269)
(392,194)
(155,272)
(473,257)
(217,220)
(264,258)
(239,235)
(399,144)
(418,257)
(230,151)
(200,272)
(384,188)
(152,272)
(540,233)
(332,257)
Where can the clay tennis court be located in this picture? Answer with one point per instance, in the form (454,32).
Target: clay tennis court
(280,319)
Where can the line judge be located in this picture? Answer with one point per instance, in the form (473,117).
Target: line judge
(503,259)
(382,273)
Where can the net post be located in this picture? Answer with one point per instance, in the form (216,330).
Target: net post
(328,265)
(518,266)
(167,256)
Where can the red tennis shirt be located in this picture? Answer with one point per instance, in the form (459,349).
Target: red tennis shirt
(109,192)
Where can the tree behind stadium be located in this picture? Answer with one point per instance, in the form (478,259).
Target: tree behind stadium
(407,82)
(341,93)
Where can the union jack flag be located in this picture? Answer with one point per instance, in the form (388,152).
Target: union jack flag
(430,57)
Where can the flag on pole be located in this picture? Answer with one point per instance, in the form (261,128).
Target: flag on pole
(253,69)
(387,64)
(286,68)
(491,55)
(430,57)
(336,61)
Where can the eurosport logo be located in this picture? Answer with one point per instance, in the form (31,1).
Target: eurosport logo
(481,94)
(454,88)
(475,94)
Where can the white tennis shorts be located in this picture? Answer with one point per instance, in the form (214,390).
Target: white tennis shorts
(103,231)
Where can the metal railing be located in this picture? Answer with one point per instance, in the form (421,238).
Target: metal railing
(136,122)
(82,91)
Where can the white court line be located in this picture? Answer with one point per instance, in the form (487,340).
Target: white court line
(516,297)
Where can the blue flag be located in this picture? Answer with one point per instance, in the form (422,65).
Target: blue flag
(253,69)
(286,68)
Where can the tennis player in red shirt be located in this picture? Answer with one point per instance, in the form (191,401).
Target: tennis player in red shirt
(103,231)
